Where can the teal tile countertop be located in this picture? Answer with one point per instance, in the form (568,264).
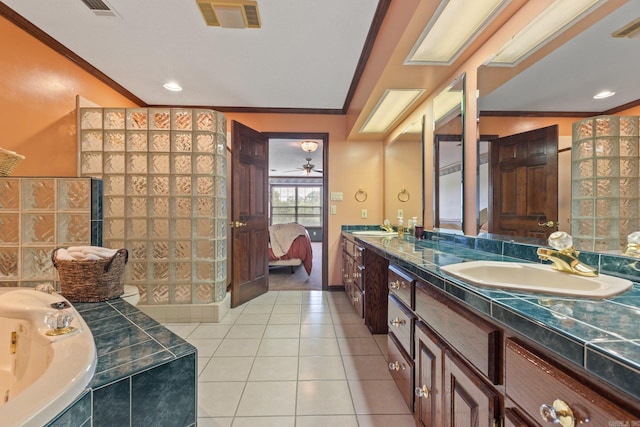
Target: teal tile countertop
(600,335)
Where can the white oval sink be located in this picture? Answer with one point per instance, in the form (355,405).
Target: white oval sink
(539,278)
(375,233)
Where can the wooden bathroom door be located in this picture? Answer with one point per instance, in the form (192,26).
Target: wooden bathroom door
(523,184)
(248,223)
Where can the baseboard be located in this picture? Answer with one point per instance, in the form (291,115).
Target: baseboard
(189,313)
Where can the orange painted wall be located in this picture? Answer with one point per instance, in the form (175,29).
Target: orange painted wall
(38,89)
(38,92)
(352,165)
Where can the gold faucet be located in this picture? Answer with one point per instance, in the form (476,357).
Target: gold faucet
(387,226)
(564,256)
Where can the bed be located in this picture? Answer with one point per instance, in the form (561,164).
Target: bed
(290,246)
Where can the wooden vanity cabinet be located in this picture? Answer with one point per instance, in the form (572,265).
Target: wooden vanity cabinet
(364,276)
(468,371)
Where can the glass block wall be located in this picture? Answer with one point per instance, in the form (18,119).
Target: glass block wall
(605,182)
(39,214)
(164,177)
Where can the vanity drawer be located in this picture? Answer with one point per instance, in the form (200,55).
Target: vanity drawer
(401,368)
(400,323)
(353,250)
(473,337)
(532,381)
(357,299)
(401,285)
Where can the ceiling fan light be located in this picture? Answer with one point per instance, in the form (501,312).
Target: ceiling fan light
(309,146)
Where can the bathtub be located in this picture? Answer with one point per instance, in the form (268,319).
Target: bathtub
(40,374)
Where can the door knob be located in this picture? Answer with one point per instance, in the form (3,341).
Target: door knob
(548,224)
(237,224)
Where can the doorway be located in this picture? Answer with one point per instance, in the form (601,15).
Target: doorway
(297,194)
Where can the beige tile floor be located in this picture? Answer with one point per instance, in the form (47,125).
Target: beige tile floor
(294,358)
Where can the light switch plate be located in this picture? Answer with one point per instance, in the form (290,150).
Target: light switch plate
(337,196)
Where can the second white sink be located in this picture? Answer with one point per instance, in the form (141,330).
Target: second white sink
(539,278)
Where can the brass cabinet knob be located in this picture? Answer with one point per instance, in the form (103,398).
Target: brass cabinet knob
(423,392)
(397,322)
(558,413)
(396,366)
(397,285)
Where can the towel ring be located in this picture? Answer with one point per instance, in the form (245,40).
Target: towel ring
(403,195)
(361,195)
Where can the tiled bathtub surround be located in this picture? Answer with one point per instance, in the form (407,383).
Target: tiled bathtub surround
(164,173)
(39,214)
(146,375)
(600,336)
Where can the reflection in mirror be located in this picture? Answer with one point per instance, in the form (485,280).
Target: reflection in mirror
(448,109)
(482,185)
(550,88)
(403,171)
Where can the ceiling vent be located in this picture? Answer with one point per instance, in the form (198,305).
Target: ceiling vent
(629,31)
(230,13)
(99,7)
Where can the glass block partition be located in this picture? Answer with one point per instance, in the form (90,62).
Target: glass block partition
(39,214)
(164,175)
(605,181)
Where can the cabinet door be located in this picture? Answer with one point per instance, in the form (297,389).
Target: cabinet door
(468,400)
(513,419)
(428,378)
(376,292)
(347,263)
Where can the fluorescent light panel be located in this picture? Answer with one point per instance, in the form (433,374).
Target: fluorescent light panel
(446,102)
(392,104)
(451,29)
(543,29)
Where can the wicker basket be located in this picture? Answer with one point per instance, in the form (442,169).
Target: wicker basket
(92,281)
(8,161)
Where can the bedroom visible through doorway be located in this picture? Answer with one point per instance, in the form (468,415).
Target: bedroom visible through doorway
(296,211)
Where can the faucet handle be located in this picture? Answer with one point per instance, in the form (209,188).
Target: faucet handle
(560,240)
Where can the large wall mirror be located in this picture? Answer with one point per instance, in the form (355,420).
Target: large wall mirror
(403,172)
(554,86)
(448,154)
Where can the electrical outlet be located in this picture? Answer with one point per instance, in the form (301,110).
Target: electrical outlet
(400,213)
(333,209)
(363,214)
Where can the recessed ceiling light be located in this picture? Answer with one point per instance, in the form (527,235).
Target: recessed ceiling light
(603,94)
(172,86)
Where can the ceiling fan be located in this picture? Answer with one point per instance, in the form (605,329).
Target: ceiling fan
(307,168)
